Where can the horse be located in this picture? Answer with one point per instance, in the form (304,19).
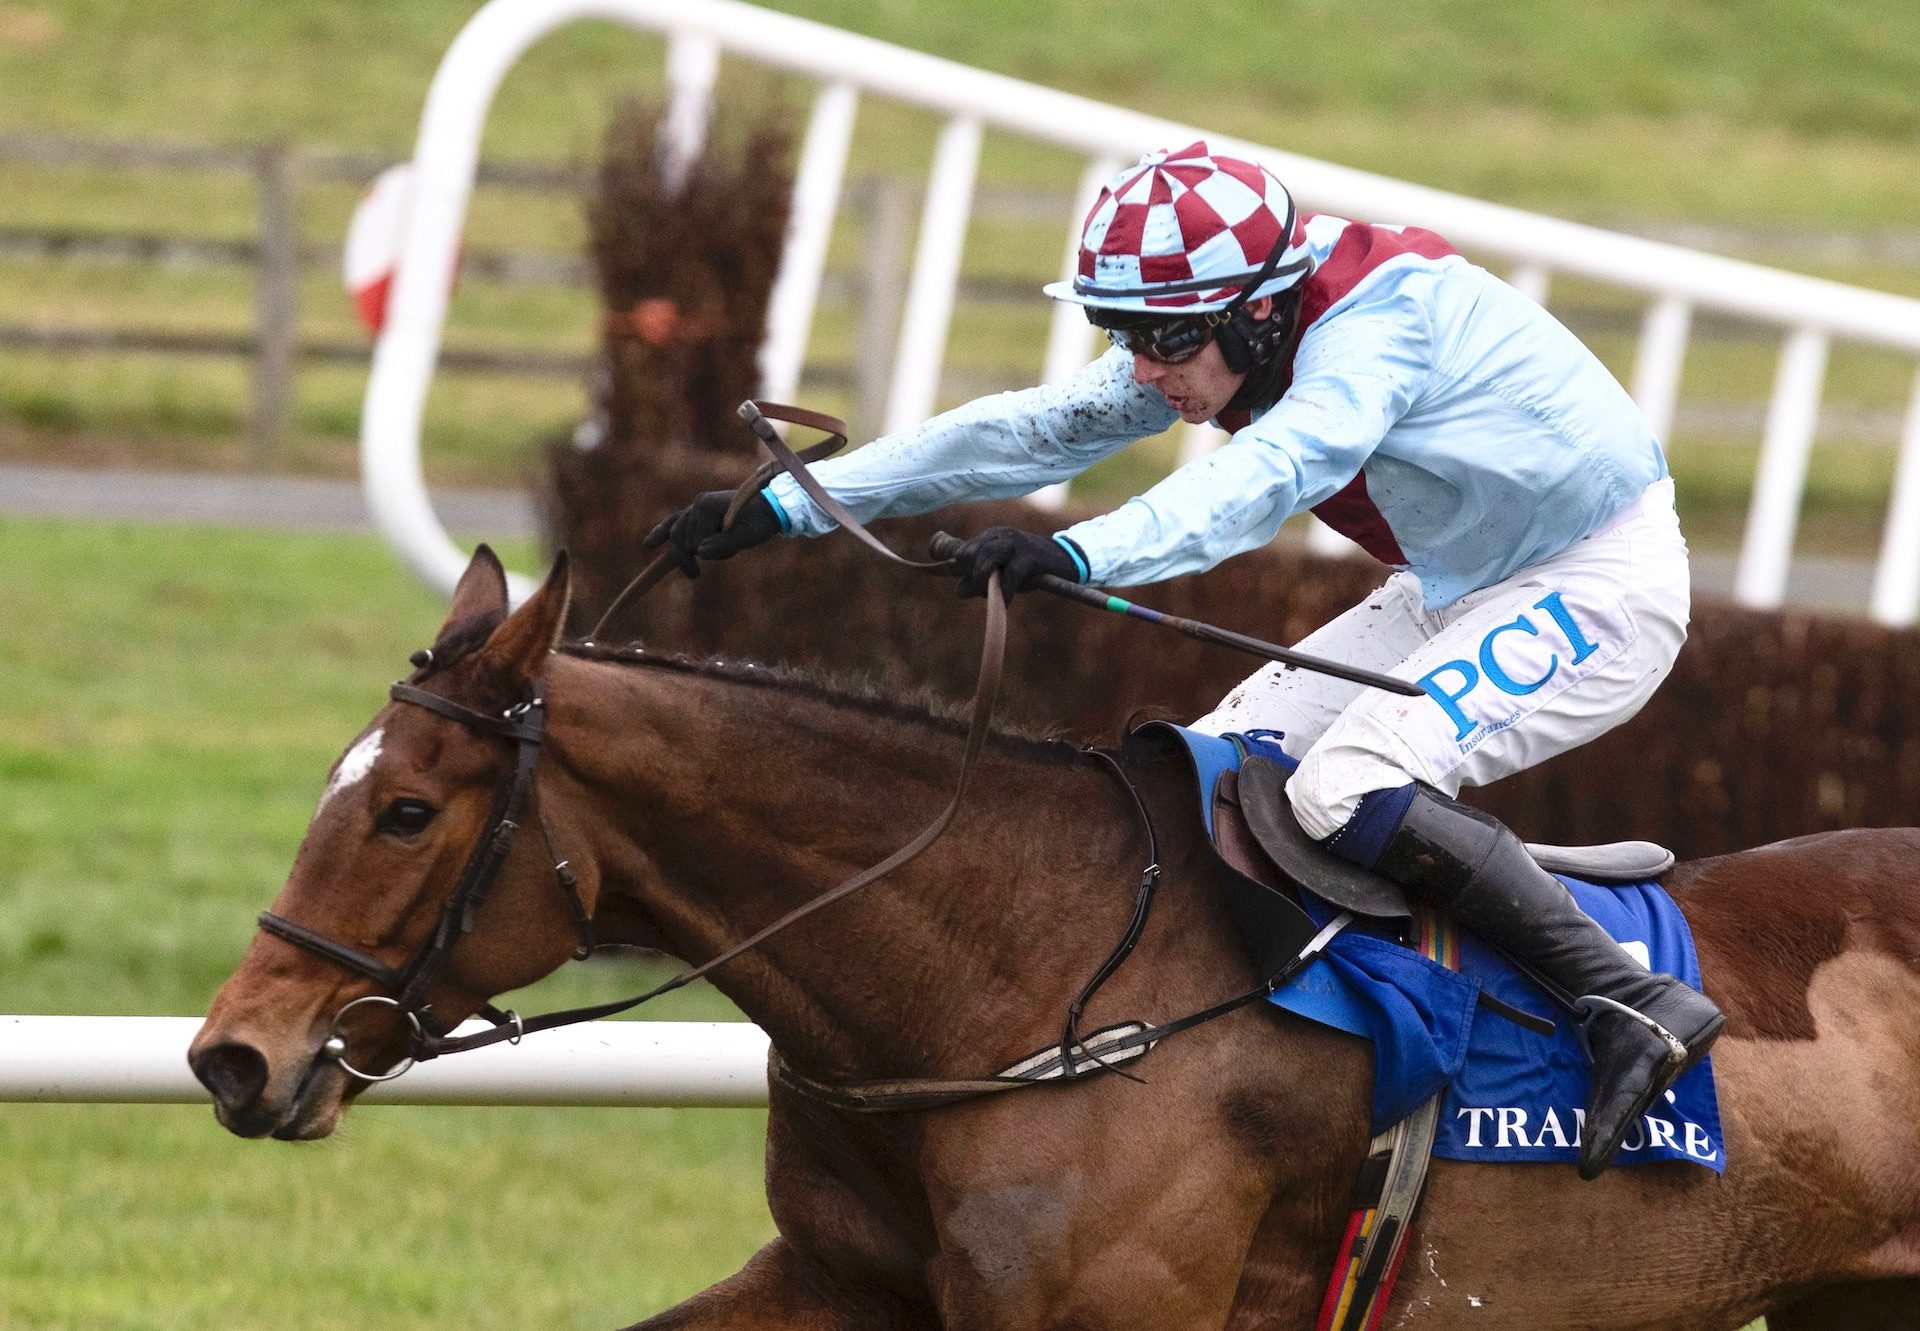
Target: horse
(1205,1184)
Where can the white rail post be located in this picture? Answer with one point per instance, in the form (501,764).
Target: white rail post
(143,1060)
(1197,440)
(693,63)
(1896,581)
(886,234)
(1069,334)
(1766,553)
(403,358)
(1531,280)
(936,271)
(816,198)
(1657,364)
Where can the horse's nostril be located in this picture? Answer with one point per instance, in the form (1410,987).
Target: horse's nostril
(235,1073)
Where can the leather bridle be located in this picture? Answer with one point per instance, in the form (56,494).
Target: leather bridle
(524,726)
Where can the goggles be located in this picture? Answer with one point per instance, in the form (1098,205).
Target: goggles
(1168,341)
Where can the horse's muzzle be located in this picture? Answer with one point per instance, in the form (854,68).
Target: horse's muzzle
(236,1076)
(239,1077)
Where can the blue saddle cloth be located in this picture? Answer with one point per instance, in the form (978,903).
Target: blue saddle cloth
(1512,1094)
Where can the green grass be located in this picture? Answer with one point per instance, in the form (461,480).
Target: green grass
(1832,72)
(1777,113)
(146,1218)
(174,698)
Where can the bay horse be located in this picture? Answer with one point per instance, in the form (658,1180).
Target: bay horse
(696,802)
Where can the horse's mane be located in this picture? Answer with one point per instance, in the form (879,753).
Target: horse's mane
(845,690)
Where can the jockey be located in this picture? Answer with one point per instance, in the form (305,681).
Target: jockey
(1433,414)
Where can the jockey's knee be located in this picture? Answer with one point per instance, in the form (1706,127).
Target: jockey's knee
(1351,801)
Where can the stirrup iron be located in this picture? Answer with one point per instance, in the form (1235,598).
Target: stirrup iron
(1677,1052)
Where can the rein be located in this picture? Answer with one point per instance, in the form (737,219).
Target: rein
(524,725)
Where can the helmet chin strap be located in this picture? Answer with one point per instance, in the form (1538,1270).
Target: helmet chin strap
(1253,347)
(1246,342)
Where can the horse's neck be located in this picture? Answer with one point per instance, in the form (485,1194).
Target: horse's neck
(745,800)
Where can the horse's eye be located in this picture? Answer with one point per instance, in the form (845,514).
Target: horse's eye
(405,817)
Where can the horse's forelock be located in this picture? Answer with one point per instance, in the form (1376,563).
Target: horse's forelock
(460,639)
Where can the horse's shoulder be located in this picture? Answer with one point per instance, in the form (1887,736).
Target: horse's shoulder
(1765,919)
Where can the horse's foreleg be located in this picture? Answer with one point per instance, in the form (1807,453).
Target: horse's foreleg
(779,1290)
(1873,1305)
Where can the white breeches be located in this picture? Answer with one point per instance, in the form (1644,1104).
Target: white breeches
(1556,655)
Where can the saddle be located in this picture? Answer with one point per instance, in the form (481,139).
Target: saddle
(1256,832)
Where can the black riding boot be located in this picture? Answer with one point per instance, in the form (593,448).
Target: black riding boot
(1470,865)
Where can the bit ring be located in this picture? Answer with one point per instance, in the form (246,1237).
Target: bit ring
(335,1045)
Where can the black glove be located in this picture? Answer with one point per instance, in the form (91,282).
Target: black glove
(694,532)
(1021,556)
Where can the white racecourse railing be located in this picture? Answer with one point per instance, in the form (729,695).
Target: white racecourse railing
(143,1060)
(1809,312)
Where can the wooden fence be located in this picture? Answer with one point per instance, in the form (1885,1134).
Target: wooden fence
(278,256)
(275,254)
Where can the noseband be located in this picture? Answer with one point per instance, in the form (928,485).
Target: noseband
(524,724)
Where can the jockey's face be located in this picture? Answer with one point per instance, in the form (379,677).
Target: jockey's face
(1200,387)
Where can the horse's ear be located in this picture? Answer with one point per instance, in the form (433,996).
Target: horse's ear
(482,590)
(520,646)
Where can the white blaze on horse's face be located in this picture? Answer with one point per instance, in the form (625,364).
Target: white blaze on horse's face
(354,765)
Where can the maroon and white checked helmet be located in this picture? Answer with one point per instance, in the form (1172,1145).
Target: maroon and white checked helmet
(1188,232)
